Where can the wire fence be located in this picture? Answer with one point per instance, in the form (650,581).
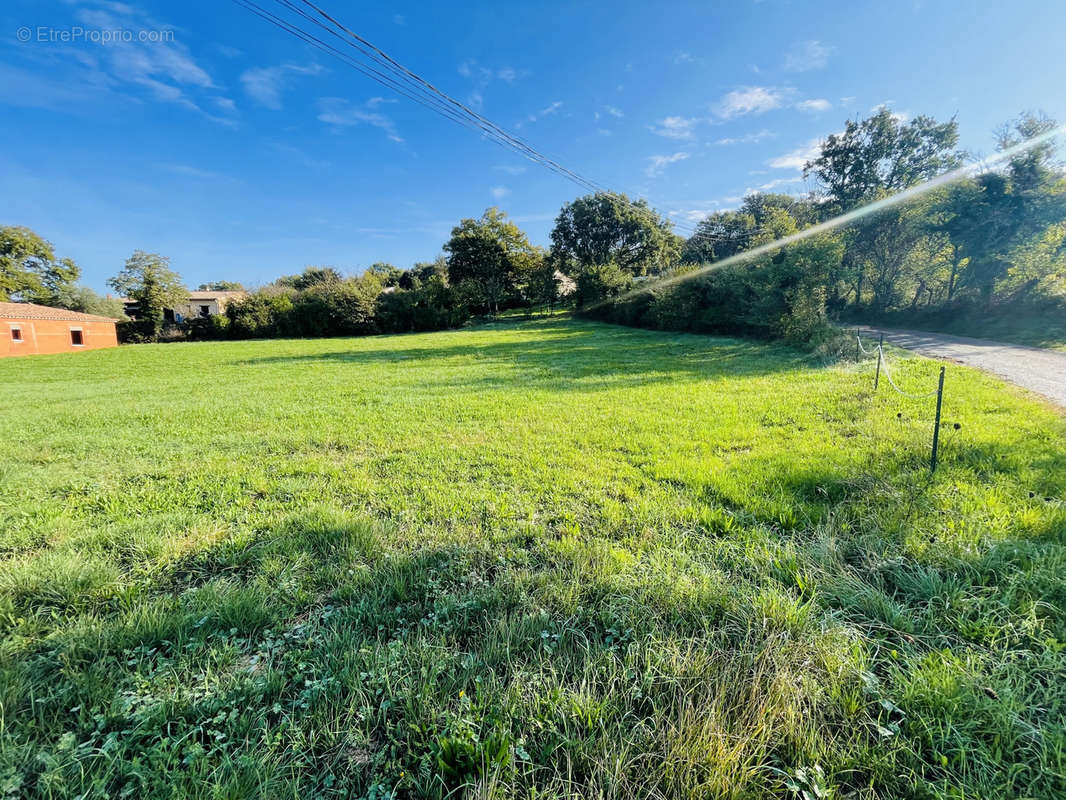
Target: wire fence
(882,364)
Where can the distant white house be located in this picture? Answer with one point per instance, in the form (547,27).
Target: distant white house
(200,304)
(206,304)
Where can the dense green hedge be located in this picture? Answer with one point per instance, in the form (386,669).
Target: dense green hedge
(780,296)
(353,307)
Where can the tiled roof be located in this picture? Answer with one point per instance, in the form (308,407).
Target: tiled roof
(214,295)
(34,311)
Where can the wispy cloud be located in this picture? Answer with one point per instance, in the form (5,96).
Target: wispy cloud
(656,164)
(797,158)
(807,55)
(776,183)
(265,84)
(674,127)
(511,169)
(499,192)
(749,100)
(341,113)
(166,71)
(482,76)
(815,105)
(199,173)
(614,112)
(750,138)
(546,112)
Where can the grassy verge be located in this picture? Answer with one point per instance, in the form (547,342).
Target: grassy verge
(551,559)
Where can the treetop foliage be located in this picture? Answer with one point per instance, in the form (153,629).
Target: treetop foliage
(607,228)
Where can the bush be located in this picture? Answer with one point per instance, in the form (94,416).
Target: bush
(264,314)
(597,283)
(777,297)
(204,328)
(351,307)
(132,331)
(433,306)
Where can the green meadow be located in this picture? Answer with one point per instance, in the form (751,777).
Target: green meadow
(525,560)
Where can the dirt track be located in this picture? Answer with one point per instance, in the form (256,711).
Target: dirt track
(1042,371)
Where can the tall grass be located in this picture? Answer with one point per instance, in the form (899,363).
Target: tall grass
(551,559)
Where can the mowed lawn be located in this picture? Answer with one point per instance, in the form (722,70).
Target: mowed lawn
(542,559)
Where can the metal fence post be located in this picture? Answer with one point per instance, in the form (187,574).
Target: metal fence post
(880,355)
(936,427)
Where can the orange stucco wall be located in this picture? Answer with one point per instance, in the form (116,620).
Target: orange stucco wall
(53,336)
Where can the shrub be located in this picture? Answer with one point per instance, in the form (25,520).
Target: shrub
(204,328)
(601,281)
(264,314)
(776,297)
(433,306)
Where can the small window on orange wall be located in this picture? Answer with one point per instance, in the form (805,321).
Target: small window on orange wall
(75,337)
(16,334)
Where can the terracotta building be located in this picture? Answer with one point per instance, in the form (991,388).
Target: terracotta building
(29,329)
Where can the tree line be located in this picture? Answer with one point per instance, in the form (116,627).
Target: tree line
(995,238)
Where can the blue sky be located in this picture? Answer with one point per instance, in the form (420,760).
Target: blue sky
(242,153)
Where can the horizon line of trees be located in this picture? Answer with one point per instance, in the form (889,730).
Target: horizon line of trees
(992,237)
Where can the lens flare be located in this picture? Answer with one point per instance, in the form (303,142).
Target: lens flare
(899,198)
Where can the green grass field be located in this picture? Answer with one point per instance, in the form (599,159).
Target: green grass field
(536,560)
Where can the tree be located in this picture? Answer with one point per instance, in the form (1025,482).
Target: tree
(872,159)
(603,228)
(1000,211)
(491,256)
(148,280)
(882,155)
(423,272)
(221,286)
(387,273)
(312,276)
(84,299)
(761,218)
(29,269)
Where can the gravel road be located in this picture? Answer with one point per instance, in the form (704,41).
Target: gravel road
(1042,371)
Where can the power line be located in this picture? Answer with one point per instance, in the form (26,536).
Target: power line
(373,62)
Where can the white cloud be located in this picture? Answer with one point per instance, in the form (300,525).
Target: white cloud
(674,128)
(614,112)
(815,105)
(265,84)
(165,69)
(750,138)
(656,164)
(341,113)
(898,116)
(482,76)
(193,172)
(499,192)
(807,55)
(775,183)
(511,169)
(796,159)
(749,100)
(546,112)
